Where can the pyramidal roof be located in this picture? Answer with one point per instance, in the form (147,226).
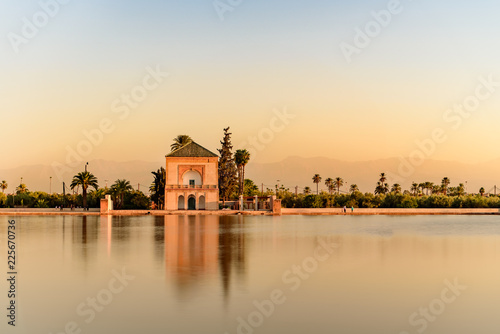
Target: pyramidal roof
(192,150)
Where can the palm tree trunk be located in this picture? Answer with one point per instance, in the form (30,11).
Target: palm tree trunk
(243,180)
(84,194)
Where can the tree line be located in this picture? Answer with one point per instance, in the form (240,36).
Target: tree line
(232,183)
(420,195)
(383,188)
(122,193)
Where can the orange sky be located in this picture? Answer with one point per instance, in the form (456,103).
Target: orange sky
(239,72)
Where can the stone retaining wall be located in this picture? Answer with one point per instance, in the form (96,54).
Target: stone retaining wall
(378,211)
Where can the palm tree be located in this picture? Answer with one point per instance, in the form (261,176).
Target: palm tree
(461,189)
(481,191)
(317,179)
(180,141)
(339,183)
(382,188)
(241,158)
(415,189)
(84,179)
(307,190)
(353,188)
(119,189)
(445,183)
(21,189)
(396,188)
(429,186)
(4,186)
(157,188)
(329,184)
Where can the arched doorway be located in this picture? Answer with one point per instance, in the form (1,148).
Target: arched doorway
(201,205)
(191,203)
(180,203)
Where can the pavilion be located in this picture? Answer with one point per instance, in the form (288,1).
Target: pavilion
(192,179)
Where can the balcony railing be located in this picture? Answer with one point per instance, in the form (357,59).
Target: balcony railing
(183,186)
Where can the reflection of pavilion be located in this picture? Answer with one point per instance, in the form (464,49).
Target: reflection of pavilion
(197,246)
(191,246)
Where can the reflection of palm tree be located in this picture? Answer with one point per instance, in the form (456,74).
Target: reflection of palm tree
(317,179)
(3,185)
(119,189)
(232,250)
(84,179)
(241,158)
(180,141)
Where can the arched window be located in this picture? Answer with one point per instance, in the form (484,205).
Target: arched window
(192,178)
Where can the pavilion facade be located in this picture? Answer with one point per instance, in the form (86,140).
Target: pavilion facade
(192,179)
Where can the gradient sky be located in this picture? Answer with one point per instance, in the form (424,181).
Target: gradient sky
(265,56)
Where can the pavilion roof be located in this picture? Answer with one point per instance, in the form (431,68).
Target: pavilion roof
(191,150)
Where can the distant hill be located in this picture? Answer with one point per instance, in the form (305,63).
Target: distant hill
(292,171)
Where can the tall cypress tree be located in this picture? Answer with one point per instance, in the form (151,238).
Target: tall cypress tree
(227,167)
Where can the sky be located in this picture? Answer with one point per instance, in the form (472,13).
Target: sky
(118,80)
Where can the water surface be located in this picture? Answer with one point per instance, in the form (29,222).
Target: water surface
(291,274)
